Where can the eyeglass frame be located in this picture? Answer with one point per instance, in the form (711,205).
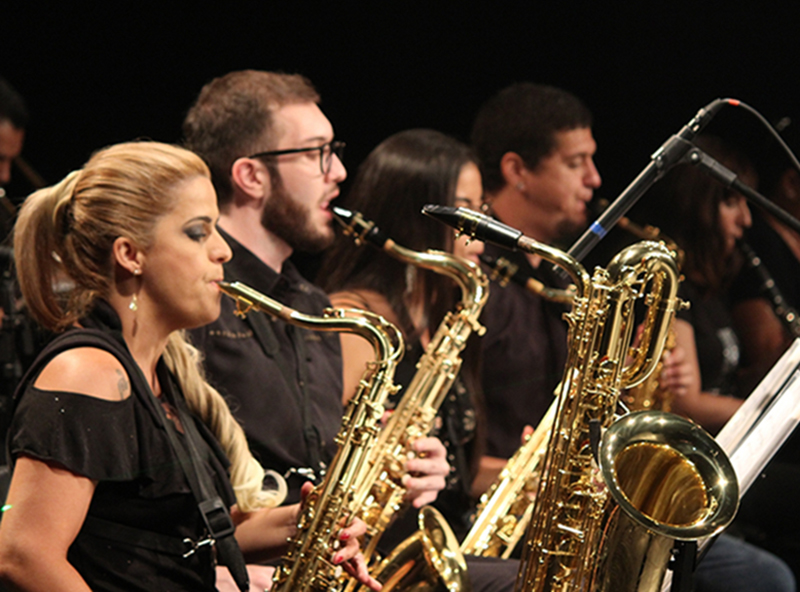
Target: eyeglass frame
(336,146)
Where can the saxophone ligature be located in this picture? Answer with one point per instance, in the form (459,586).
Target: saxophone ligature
(307,564)
(614,495)
(415,413)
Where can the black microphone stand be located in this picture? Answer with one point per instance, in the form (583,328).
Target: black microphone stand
(663,159)
(729,179)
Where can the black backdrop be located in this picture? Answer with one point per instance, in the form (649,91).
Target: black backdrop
(99,73)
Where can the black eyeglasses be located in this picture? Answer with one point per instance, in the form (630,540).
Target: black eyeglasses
(326,152)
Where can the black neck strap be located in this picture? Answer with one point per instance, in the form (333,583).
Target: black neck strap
(214,512)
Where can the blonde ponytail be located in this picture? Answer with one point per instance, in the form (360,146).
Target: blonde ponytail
(247,475)
(39,251)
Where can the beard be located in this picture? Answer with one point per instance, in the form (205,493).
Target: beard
(291,221)
(568,230)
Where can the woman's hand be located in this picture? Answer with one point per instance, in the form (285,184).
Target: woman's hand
(677,372)
(348,555)
(426,471)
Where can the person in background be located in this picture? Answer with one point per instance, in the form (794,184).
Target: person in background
(704,374)
(403,173)
(13,121)
(536,153)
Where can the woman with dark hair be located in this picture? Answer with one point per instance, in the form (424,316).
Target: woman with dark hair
(126,462)
(406,171)
(703,372)
(706,220)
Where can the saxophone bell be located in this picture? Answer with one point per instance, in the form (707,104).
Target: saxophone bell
(670,481)
(427,561)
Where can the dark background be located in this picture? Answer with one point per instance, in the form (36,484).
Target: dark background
(99,73)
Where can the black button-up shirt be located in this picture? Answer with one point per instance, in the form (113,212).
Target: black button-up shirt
(524,352)
(283,383)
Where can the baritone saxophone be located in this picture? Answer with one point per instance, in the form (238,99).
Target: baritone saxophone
(504,511)
(307,564)
(415,413)
(660,477)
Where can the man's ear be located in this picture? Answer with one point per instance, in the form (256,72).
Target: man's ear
(251,178)
(790,185)
(512,168)
(128,255)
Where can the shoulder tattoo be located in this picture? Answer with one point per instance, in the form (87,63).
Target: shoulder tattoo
(123,385)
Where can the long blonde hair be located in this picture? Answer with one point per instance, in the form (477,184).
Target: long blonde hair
(64,237)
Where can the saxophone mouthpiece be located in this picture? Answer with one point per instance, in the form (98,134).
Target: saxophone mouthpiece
(474,224)
(342,215)
(361,229)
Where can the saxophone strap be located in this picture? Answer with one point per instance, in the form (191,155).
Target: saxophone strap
(215,514)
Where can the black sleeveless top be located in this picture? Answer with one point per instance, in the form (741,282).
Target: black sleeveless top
(140,484)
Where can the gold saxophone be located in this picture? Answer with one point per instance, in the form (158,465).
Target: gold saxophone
(650,394)
(504,510)
(415,413)
(306,565)
(660,477)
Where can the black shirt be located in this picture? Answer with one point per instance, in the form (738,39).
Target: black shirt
(140,485)
(524,352)
(717,343)
(283,383)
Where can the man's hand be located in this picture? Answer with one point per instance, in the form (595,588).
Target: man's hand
(426,471)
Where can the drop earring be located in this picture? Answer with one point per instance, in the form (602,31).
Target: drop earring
(134,305)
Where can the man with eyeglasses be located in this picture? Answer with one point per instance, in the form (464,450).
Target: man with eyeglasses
(276,168)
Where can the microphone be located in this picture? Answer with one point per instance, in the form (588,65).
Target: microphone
(478,226)
(729,179)
(678,145)
(669,154)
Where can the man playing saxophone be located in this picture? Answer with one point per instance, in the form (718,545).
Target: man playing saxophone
(276,168)
(536,151)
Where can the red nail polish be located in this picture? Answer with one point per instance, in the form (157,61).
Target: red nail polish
(344,536)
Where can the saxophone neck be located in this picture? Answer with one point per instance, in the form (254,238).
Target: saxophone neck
(386,339)
(467,275)
(482,227)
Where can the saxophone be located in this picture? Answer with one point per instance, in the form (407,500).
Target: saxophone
(650,394)
(306,565)
(503,271)
(414,415)
(505,509)
(660,477)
